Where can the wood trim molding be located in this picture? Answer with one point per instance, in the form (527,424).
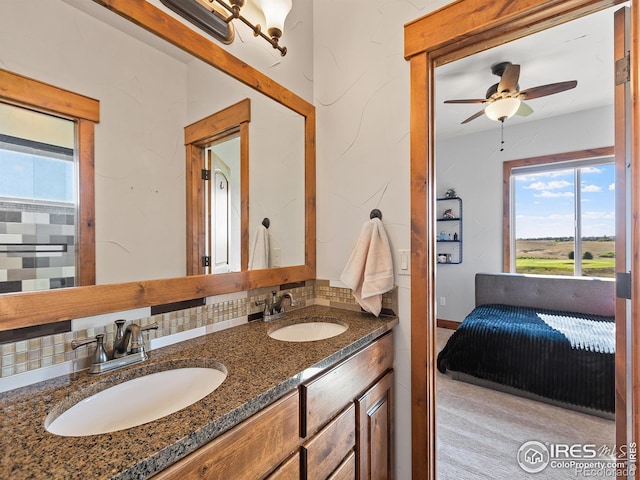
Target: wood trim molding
(461,24)
(48,98)
(622,102)
(86,248)
(634,157)
(422,275)
(454,31)
(507,170)
(448,324)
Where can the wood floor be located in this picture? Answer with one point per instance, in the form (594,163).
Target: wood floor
(479,431)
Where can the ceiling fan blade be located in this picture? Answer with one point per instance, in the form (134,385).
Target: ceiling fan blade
(524,110)
(550,89)
(473,117)
(509,79)
(470,100)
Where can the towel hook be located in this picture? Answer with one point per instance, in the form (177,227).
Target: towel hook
(375,213)
(266,222)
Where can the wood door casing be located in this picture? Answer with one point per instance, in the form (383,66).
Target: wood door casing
(457,30)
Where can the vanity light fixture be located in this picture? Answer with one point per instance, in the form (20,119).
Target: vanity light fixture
(275,12)
(215,17)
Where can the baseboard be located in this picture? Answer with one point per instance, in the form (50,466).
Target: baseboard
(450,324)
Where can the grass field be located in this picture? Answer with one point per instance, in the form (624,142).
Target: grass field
(551,257)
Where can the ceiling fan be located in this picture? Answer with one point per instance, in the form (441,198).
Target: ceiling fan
(504,99)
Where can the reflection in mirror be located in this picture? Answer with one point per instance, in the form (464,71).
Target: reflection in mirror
(38,200)
(149,90)
(217,193)
(99,49)
(223,205)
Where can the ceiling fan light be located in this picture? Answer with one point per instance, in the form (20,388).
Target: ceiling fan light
(502,109)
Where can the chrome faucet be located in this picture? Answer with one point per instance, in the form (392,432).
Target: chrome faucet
(128,348)
(132,335)
(274,309)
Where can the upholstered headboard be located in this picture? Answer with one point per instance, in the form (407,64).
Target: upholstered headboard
(567,294)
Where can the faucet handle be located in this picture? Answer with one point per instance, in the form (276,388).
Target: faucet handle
(137,342)
(99,354)
(151,326)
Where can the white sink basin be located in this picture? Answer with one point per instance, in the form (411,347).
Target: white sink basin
(308,331)
(137,401)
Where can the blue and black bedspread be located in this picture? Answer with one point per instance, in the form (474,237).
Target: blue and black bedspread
(566,357)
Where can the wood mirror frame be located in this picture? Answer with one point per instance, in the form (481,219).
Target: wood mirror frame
(18,310)
(457,30)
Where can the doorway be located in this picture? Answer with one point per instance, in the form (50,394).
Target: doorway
(457,30)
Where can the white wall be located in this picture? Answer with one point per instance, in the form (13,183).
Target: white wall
(472,164)
(361,92)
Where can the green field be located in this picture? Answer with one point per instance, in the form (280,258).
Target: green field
(551,257)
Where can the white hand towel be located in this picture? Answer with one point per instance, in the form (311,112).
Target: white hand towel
(369,271)
(259,253)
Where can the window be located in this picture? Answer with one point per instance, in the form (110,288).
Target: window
(47,237)
(38,191)
(561,217)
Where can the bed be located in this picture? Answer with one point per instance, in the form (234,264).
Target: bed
(547,338)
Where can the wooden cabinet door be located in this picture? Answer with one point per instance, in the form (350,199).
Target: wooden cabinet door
(324,452)
(289,470)
(248,451)
(324,396)
(374,414)
(346,470)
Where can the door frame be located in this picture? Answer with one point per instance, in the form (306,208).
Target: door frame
(452,32)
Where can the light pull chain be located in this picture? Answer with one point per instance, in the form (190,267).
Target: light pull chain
(502,135)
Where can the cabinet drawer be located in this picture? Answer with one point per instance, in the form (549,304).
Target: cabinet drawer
(347,470)
(248,451)
(325,452)
(325,396)
(289,470)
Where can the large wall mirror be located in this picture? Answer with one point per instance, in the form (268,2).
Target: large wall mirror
(150,87)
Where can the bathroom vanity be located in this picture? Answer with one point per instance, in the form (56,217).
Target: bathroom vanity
(320,430)
(320,409)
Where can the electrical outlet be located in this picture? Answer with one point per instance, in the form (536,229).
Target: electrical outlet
(443,301)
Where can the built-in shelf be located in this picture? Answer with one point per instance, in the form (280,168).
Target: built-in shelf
(449,231)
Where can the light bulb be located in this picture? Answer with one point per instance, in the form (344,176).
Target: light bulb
(275,13)
(502,108)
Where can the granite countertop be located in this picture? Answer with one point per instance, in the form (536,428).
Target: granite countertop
(260,370)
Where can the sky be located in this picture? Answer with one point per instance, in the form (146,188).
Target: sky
(544,203)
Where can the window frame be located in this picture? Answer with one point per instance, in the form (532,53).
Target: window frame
(84,111)
(508,242)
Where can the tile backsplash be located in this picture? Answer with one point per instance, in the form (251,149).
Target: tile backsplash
(220,311)
(37,247)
